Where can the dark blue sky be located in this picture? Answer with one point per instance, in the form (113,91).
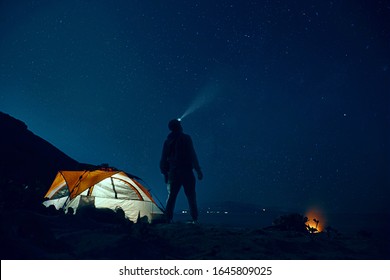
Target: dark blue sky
(297,92)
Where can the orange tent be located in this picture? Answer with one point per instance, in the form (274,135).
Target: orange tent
(102,189)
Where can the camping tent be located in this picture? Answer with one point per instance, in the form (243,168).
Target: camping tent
(102,189)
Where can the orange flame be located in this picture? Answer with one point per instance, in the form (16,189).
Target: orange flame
(315,215)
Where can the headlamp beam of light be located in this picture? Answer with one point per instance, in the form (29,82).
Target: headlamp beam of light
(204,97)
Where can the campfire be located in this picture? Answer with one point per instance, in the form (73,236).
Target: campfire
(316,221)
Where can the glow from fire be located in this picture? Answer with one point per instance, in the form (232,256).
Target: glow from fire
(316,219)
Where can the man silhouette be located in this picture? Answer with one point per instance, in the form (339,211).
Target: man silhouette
(178,159)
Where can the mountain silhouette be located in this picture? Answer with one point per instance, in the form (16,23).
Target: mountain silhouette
(28,163)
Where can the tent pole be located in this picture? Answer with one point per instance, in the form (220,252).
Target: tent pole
(63,206)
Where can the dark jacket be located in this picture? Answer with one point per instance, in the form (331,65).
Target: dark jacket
(178,153)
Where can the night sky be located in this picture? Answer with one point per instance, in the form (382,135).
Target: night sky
(291,97)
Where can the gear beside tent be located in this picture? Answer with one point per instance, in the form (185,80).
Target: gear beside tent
(102,189)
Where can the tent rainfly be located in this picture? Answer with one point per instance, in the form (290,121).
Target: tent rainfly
(102,189)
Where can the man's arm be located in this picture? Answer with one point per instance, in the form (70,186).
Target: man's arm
(164,164)
(195,162)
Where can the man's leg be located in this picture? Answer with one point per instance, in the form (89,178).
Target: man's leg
(173,191)
(189,189)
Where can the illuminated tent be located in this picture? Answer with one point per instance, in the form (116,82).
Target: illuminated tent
(102,189)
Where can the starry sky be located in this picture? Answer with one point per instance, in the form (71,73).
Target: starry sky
(290,99)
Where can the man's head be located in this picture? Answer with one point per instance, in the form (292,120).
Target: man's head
(175,125)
